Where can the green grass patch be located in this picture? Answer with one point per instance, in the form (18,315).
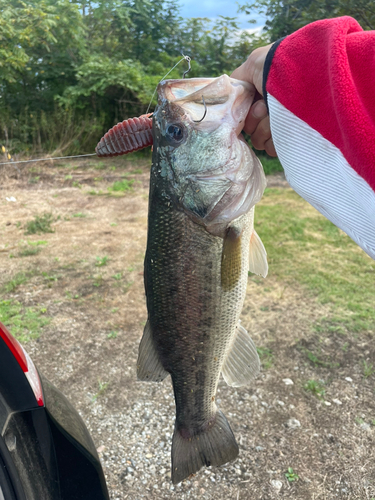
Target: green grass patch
(24,323)
(18,279)
(122,186)
(101,261)
(304,247)
(270,165)
(40,224)
(266,357)
(316,388)
(80,215)
(28,251)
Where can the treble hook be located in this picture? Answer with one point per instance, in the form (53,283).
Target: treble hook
(205,112)
(187,59)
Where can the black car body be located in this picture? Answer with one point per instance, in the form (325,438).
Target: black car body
(46,451)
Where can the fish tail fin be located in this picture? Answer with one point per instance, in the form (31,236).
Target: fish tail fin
(214,446)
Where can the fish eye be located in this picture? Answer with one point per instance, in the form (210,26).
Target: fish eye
(175,133)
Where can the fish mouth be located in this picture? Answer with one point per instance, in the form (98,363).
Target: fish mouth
(208,102)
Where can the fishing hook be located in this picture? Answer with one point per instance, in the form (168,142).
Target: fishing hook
(187,59)
(205,112)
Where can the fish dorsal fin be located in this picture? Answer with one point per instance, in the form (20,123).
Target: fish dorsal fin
(149,367)
(257,256)
(242,364)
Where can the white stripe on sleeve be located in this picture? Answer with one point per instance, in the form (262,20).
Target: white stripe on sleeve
(317,171)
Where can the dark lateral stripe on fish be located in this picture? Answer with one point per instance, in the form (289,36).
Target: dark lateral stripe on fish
(126,137)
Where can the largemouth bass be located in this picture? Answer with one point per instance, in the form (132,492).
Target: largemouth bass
(205,182)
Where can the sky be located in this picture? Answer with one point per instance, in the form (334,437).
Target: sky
(215,8)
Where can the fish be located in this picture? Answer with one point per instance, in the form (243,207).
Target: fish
(205,182)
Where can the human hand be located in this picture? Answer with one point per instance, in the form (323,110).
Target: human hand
(257,123)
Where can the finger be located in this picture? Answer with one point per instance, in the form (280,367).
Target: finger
(261,134)
(270,148)
(257,113)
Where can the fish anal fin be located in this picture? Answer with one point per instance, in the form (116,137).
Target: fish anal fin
(241,364)
(257,256)
(149,367)
(216,445)
(231,259)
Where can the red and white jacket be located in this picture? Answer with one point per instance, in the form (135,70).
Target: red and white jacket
(319,85)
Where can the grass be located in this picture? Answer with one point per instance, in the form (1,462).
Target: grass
(18,279)
(24,323)
(304,247)
(368,369)
(101,261)
(266,357)
(270,165)
(291,475)
(40,224)
(316,388)
(80,215)
(102,388)
(28,251)
(122,186)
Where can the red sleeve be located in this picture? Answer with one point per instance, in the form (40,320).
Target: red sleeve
(324,73)
(320,90)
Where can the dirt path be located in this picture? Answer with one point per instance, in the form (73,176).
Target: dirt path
(87,278)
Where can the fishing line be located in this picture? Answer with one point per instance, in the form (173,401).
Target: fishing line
(185,58)
(45,159)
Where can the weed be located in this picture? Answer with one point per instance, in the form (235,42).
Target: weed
(27,251)
(264,308)
(17,280)
(113,224)
(40,224)
(313,358)
(359,420)
(37,243)
(316,388)
(102,388)
(77,185)
(127,286)
(291,475)
(368,369)
(137,171)
(112,335)
(101,261)
(80,215)
(114,310)
(68,177)
(266,357)
(24,323)
(117,276)
(98,281)
(122,186)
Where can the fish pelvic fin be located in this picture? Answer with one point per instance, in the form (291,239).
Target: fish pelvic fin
(214,446)
(241,364)
(257,256)
(149,367)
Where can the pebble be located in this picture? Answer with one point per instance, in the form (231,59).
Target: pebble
(277,485)
(259,448)
(149,455)
(327,403)
(281,403)
(293,423)
(365,427)
(348,379)
(337,401)
(288,381)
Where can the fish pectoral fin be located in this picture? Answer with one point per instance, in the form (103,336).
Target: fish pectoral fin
(257,256)
(242,364)
(149,367)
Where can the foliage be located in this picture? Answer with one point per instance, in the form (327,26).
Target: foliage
(286,16)
(24,323)
(70,70)
(316,388)
(291,475)
(40,224)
